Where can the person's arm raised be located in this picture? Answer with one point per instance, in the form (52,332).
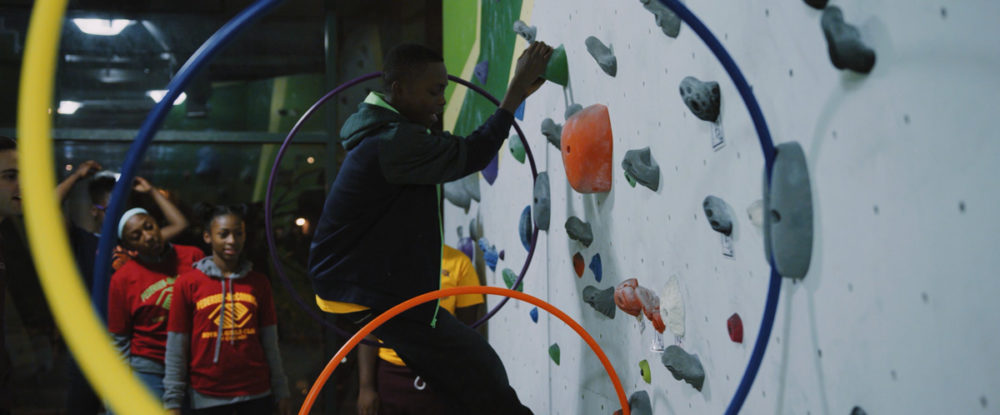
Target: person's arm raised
(527,76)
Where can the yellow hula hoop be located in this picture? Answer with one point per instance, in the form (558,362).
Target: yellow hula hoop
(85,335)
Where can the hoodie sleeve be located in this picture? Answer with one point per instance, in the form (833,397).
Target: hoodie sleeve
(415,156)
(175,369)
(279,382)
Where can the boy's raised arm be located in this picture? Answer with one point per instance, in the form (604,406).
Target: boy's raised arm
(421,157)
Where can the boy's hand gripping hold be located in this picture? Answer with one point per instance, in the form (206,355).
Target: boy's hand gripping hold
(527,76)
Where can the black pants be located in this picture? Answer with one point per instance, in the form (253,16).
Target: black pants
(259,406)
(454,360)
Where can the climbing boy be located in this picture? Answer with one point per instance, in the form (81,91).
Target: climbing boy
(379,239)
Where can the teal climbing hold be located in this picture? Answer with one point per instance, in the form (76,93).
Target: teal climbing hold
(631,180)
(554,352)
(558,69)
(516,148)
(509,278)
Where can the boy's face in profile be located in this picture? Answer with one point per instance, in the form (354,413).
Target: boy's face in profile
(421,98)
(10,190)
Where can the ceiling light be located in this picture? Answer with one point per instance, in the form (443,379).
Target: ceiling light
(301,221)
(68,107)
(102,27)
(158,94)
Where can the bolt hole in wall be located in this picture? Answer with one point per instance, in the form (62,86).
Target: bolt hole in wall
(858,156)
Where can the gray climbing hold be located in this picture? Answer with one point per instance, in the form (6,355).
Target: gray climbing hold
(475,227)
(817,4)
(684,366)
(541,204)
(639,403)
(525,31)
(843,40)
(471,184)
(455,193)
(666,19)
(579,230)
(602,300)
(858,411)
(603,55)
(482,71)
(572,109)
(552,132)
(524,228)
(702,98)
(788,212)
(756,213)
(719,214)
(640,165)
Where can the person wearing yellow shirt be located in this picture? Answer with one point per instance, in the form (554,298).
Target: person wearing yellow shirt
(386,385)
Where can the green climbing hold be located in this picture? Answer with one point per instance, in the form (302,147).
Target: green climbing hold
(558,69)
(554,352)
(509,278)
(631,180)
(644,368)
(516,148)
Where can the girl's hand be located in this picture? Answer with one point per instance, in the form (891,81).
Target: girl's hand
(141,185)
(87,169)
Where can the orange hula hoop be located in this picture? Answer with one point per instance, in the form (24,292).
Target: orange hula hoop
(448,292)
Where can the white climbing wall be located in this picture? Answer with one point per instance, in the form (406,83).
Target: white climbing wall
(898,312)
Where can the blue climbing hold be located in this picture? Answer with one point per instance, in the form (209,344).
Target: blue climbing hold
(491,171)
(595,265)
(534,314)
(489,253)
(519,113)
(525,228)
(482,71)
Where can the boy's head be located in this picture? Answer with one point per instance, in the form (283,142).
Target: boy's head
(100,189)
(415,78)
(10,190)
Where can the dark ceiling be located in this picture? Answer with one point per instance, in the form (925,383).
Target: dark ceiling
(112,74)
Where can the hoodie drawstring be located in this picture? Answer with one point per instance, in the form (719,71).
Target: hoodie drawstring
(222,320)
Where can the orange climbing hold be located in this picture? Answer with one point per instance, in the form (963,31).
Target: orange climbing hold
(578,265)
(633,298)
(586,149)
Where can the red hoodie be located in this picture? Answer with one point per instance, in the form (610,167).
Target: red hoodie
(139,300)
(241,368)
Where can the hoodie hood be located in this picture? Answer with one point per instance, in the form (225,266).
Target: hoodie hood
(207,265)
(373,114)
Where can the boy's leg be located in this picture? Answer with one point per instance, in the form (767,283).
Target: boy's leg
(455,361)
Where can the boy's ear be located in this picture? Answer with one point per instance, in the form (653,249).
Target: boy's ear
(207,237)
(395,89)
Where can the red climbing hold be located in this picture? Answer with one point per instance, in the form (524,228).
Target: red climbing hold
(633,298)
(735,325)
(586,149)
(578,265)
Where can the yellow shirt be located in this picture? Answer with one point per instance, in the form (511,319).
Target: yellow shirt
(456,271)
